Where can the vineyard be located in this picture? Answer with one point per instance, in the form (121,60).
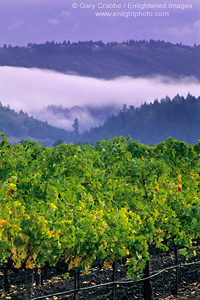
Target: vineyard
(78,205)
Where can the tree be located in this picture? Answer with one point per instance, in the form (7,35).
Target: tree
(58,142)
(75,126)
(124,109)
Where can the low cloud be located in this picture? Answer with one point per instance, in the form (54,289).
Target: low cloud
(87,116)
(32,90)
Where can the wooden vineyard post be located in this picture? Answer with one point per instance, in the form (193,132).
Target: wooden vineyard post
(147,283)
(177,271)
(38,277)
(100,264)
(6,279)
(175,284)
(76,285)
(114,279)
(29,283)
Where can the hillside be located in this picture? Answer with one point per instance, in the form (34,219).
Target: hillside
(149,124)
(153,123)
(111,60)
(20,126)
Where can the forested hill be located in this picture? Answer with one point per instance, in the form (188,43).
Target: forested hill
(153,123)
(149,124)
(20,126)
(96,59)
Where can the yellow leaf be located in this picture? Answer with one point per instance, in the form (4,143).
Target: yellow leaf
(3,222)
(70,265)
(14,253)
(18,264)
(86,270)
(77,261)
(52,205)
(29,265)
(127,252)
(13,186)
(179,178)
(88,261)
(52,233)
(34,256)
(107,264)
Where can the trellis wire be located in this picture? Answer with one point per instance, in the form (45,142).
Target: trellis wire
(117,282)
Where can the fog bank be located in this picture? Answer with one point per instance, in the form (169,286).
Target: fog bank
(33,89)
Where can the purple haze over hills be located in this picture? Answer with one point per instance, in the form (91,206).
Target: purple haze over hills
(36,21)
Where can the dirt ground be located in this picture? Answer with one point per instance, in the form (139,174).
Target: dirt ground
(163,285)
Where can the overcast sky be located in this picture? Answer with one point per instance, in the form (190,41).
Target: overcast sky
(38,21)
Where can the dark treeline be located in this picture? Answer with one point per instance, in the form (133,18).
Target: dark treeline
(19,126)
(149,124)
(153,123)
(96,59)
